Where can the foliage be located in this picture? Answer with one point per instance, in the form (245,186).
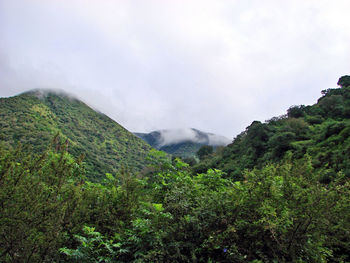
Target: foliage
(283,195)
(280,213)
(38,201)
(296,111)
(94,248)
(344,81)
(320,130)
(204,151)
(182,149)
(33,119)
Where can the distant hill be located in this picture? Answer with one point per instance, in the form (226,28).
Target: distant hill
(320,131)
(35,117)
(182,142)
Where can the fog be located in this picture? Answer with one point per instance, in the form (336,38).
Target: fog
(149,65)
(174,136)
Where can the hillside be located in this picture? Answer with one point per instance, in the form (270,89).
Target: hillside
(294,209)
(35,117)
(182,142)
(321,131)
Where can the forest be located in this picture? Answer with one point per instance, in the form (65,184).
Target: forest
(280,192)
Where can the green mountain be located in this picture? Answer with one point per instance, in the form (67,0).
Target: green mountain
(182,142)
(321,131)
(35,117)
(294,209)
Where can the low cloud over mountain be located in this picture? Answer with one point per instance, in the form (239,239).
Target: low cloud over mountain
(183,142)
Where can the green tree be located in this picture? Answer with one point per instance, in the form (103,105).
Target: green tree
(344,81)
(204,151)
(39,197)
(296,111)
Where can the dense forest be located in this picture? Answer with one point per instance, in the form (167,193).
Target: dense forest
(34,118)
(279,193)
(187,143)
(321,131)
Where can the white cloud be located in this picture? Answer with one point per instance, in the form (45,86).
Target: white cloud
(213,65)
(169,137)
(174,136)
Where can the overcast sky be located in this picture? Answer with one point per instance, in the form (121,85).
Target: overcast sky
(214,65)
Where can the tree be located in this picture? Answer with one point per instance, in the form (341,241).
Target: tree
(296,111)
(204,151)
(344,81)
(39,196)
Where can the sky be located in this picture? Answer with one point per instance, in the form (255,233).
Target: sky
(158,64)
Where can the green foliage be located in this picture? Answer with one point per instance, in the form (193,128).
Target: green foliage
(320,130)
(190,161)
(33,119)
(204,151)
(183,149)
(344,81)
(280,213)
(296,111)
(38,200)
(94,247)
(283,195)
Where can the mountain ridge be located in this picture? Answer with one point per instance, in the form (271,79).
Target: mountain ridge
(320,131)
(35,116)
(182,142)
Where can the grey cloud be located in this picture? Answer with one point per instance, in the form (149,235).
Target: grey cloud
(174,136)
(213,65)
(44,93)
(218,140)
(169,137)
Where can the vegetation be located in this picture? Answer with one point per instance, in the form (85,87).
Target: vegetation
(38,204)
(280,213)
(204,152)
(292,205)
(184,147)
(34,118)
(321,131)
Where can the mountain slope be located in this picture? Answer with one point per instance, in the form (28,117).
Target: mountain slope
(35,117)
(182,142)
(321,131)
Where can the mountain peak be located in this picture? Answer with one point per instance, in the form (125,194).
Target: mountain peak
(36,116)
(184,141)
(43,93)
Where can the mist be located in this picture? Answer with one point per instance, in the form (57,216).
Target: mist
(175,136)
(213,65)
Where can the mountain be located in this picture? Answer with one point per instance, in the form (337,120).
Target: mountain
(294,209)
(35,117)
(320,131)
(182,142)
